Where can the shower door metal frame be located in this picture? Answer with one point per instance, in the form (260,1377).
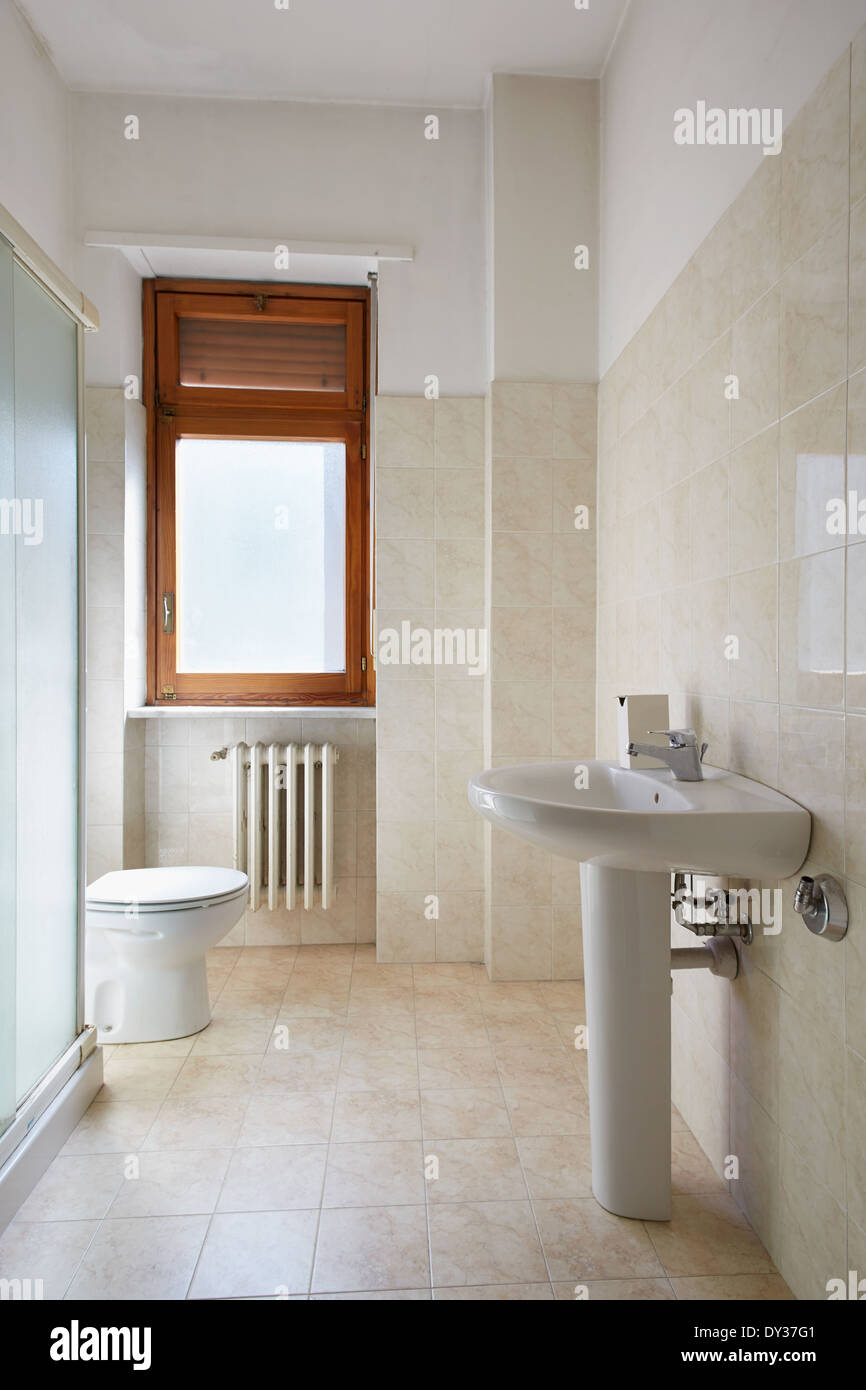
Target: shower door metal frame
(30,257)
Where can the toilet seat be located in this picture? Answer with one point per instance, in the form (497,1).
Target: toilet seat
(165,889)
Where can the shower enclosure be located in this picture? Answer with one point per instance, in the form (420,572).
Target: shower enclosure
(42,1038)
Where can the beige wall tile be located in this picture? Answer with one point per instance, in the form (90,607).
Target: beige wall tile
(811,605)
(404,432)
(858,116)
(405,860)
(460,432)
(815,320)
(755,624)
(460,504)
(811,770)
(522,419)
(815,163)
(522,569)
(522,494)
(756,237)
(812,1229)
(855,797)
(405,573)
(404,503)
(521,719)
(812,1096)
(811,473)
(753,472)
(574,421)
(522,643)
(522,943)
(755,363)
(857,305)
(856,618)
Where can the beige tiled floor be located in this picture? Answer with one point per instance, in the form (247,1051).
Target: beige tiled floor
(351,1130)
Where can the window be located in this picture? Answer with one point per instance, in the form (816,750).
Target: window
(258,543)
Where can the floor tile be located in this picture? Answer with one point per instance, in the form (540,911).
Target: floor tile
(372,1248)
(375,1174)
(229,1037)
(46,1251)
(298,1117)
(691,1170)
(189,1123)
(112,1127)
(474,1170)
(178,1183)
(282,1177)
(374,1296)
(298,1071)
(496,1293)
(724,1287)
(216,1076)
(451,1030)
(582,1241)
(256,1253)
(533,1066)
(485,1243)
(610,1290)
(553,1108)
(557,1165)
(386,1034)
(450,1068)
(150,1257)
(306,1035)
(707,1234)
(74,1188)
(139,1078)
(467,1113)
(375,1071)
(366,1115)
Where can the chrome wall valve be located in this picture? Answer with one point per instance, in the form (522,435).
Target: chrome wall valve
(821,903)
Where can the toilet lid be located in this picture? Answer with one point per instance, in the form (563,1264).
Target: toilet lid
(161,887)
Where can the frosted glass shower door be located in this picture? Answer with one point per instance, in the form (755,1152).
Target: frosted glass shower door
(45,543)
(8,829)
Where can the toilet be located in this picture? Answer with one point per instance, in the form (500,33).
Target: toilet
(147,931)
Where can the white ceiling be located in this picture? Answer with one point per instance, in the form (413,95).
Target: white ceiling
(417,52)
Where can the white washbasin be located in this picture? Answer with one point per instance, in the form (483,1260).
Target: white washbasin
(631,830)
(624,819)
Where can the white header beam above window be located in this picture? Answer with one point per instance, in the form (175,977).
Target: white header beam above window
(245,258)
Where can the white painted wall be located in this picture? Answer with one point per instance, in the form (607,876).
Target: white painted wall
(303,170)
(544,146)
(34,174)
(659,200)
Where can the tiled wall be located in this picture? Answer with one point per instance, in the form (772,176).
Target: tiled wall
(115,435)
(188,816)
(713,524)
(430,567)
(541,607)
(476,530)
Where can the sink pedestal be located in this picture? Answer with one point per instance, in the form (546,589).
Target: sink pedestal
(626,947)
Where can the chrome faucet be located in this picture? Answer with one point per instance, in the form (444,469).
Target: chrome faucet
(682,755)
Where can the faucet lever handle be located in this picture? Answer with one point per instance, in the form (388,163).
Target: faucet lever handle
(678,738)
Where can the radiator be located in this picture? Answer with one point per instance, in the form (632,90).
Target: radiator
(283,822)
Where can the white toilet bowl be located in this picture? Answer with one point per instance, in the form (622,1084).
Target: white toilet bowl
(147,931)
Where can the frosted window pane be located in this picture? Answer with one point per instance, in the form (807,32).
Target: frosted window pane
(261,556)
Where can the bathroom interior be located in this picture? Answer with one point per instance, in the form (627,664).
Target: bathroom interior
(407,410)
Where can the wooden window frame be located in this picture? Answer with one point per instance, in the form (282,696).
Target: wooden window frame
(175,412)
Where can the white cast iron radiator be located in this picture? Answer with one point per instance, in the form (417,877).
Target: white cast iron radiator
(283,821)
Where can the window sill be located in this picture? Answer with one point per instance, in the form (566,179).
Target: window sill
(175,711)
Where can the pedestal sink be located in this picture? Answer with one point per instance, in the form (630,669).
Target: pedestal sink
(631,830)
